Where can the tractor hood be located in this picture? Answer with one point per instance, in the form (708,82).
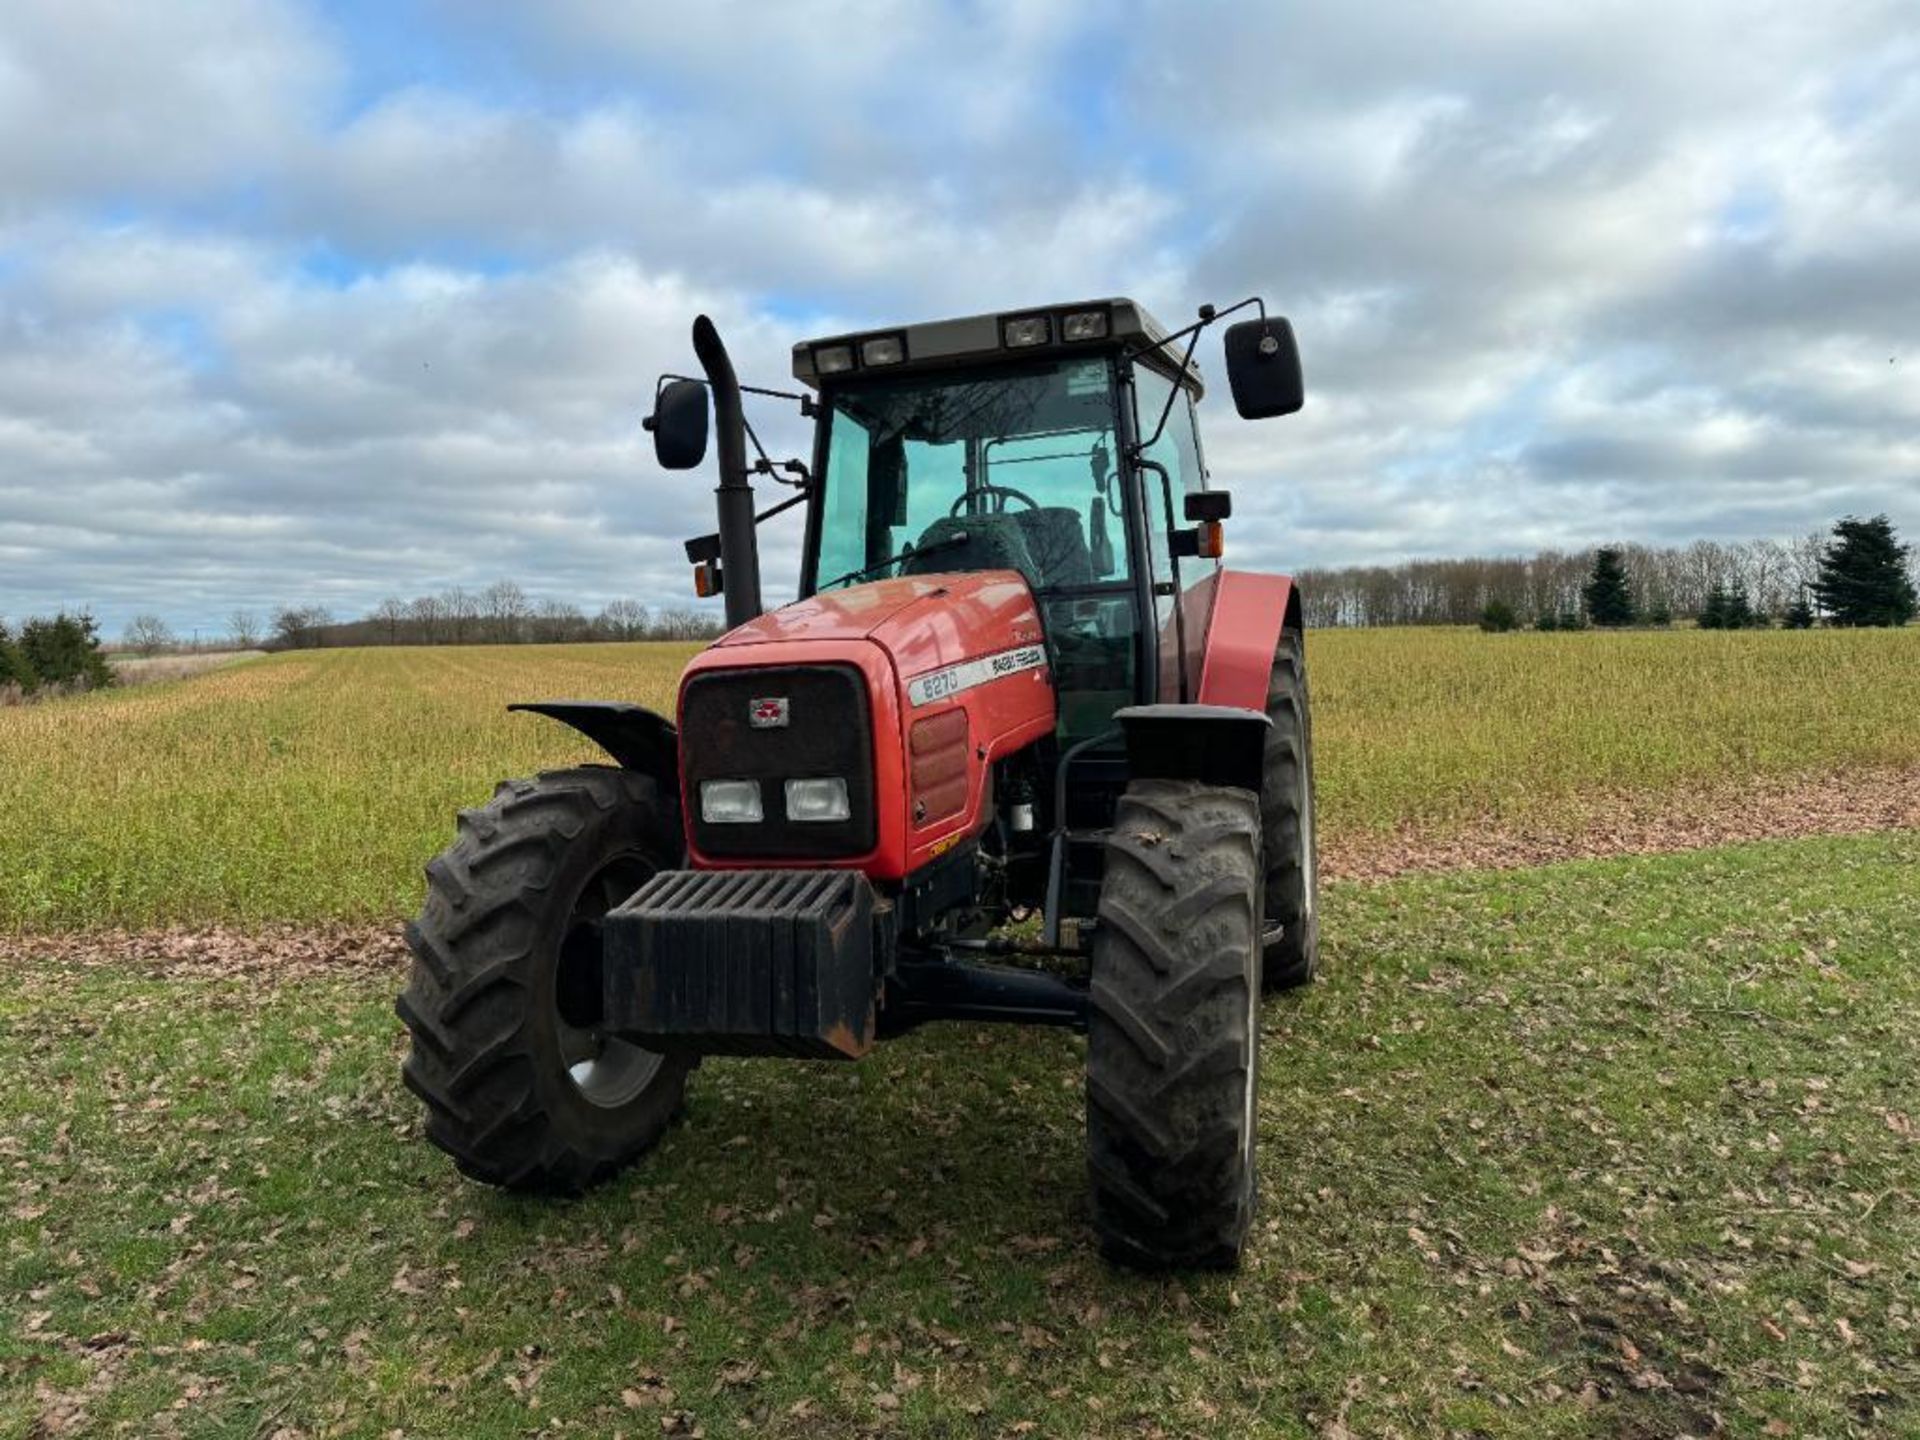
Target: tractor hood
(910,688)
(920,620)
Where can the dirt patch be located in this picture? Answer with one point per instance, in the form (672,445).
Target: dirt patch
(286,952)
(1852,804)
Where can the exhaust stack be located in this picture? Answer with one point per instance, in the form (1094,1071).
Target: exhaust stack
(733,496)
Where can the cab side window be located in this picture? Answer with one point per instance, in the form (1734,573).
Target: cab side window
(1175,450)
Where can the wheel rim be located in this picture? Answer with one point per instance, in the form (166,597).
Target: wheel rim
(606,1071)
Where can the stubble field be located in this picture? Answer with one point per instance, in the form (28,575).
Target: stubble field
(314,785)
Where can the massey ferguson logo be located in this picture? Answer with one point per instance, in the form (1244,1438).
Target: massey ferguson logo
(768,714)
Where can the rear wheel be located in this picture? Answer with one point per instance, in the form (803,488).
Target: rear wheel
(1173,1037)
(522,1087)
(1291,943)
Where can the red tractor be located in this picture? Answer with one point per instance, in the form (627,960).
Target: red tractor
(1018,686)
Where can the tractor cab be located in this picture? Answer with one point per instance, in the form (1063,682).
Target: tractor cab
(948,457)
(1059,444)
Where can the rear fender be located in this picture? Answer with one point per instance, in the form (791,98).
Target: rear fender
(1214,744)
(1243,634)
(632,734)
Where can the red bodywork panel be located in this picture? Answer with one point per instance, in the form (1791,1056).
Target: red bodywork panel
(929,645)
(1243,632)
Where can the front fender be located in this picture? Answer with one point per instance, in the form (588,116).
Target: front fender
(632,734)
(1243,632)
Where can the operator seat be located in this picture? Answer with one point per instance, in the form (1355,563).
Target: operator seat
(1057,543)
(994,542)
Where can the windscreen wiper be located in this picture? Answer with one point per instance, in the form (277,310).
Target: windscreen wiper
(945,542)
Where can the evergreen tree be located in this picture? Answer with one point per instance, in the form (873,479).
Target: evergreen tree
(1713,614)
(1799,615)
(66,651)
(1740,614)
(1498,618)
(1660,614)
(14,667)
(1609,599)
(1547,621)
(1863,575)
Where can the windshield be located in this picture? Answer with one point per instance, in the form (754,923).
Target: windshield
(1008,469)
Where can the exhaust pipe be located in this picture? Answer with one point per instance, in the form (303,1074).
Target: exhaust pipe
(733,497)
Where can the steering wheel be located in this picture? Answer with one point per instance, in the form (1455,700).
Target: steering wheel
(1005,492)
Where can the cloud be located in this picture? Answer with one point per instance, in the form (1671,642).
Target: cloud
(105,103)
(297,308)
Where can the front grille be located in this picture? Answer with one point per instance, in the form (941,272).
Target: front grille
(828,731)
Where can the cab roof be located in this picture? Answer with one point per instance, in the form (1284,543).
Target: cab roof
(975,339)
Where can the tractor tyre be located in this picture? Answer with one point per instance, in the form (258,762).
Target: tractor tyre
(1173,1032)
(520,1088)
(1291,944)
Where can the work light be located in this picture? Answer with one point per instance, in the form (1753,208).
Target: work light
(1084,325)
(730,802)
(1026,330)
(833,359)
(883,350)
(822,799)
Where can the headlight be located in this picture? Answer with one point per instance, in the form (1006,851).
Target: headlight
(730,802)
(833,359)
(824,799)
(1084,325)
(1026,330)
(883,350)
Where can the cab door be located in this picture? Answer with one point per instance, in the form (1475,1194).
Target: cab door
(1182,586)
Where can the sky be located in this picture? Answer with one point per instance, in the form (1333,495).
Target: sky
(315,304)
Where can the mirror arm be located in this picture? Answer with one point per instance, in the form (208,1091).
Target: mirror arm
(1207,316)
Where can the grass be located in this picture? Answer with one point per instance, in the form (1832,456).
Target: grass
(1621,1148)
(313,786)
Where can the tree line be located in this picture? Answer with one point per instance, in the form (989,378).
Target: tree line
(1771,578)
(500,614)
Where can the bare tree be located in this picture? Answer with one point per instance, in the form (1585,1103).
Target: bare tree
(243,629)
(624,619)
(429,614)
(298,628)
(391,613)
(148,634)
(557,623)
(505,605)
(458,609)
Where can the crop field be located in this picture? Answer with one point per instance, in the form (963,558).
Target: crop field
(314,785)
(1613,1148)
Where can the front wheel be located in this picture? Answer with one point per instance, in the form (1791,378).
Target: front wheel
(1173,1031)
(522,1087)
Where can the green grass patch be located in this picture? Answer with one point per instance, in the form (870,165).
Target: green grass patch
(1621,1148)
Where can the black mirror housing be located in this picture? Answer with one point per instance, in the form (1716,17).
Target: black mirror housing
(1205,505)
(679,424)
(1263,367)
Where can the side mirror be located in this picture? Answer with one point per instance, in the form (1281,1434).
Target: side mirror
(679,424)
(1263,367)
